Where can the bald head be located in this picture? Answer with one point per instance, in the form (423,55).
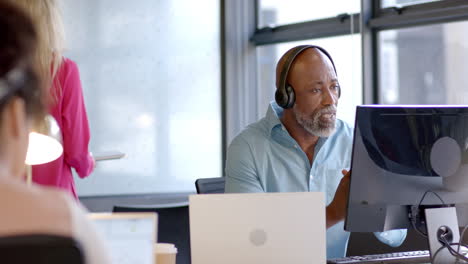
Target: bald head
(309,53)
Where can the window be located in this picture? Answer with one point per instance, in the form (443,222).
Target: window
(323,27)
(280,12)
(146,93)
(346,54)
(389,3)
(424,65)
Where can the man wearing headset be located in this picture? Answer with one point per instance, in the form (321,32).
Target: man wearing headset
(299,145)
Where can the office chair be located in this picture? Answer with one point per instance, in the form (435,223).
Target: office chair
(40,249)
(173,225)
(210,185)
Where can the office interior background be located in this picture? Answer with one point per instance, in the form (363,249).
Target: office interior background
(170,83)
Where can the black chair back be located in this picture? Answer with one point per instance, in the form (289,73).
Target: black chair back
(173,225)
(40,249)
(210,185)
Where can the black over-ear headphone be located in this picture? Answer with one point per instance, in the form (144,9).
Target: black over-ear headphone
(16,82)
(285,96)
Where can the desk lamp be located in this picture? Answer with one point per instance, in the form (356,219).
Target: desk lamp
(45,145)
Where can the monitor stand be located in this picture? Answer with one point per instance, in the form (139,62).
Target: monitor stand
(441,223)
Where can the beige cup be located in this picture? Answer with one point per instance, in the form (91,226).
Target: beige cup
(165,253)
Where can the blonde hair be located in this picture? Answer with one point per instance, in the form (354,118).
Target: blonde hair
(47,18)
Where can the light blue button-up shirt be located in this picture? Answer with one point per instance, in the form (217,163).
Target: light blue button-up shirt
(265,158)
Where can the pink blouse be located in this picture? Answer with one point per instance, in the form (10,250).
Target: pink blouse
(70,113)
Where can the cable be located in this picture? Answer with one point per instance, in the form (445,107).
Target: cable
(454,253)
(429,191)
(450,249)
(413,223)
(443,240)
(413,218)
(461,238)
(436,253)
(458,257)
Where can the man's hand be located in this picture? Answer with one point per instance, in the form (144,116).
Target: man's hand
(336,211)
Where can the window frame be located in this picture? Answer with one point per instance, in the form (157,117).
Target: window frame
(369,22)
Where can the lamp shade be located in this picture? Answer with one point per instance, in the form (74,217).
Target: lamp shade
(45,142)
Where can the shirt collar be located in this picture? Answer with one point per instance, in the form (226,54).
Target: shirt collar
(273,115)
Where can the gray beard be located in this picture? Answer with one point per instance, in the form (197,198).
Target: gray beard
(312,123)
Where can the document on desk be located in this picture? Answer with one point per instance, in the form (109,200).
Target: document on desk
(130,237)
(108,155)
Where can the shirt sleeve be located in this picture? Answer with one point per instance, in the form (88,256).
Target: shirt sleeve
(75,126)
(241,175)
(393,238)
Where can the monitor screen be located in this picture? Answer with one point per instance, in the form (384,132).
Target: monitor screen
(400,153)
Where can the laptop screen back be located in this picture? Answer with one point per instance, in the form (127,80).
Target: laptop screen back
(258,228)
(129,236)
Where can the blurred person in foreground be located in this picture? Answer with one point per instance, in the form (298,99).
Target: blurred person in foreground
(30,210)
(64,96)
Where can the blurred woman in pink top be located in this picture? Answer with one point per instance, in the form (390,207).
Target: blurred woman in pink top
(66,102)
(31,210)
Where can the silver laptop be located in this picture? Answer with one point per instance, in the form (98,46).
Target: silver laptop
(258,228)
(129,236)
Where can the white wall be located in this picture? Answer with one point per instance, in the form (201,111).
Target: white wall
(151,78)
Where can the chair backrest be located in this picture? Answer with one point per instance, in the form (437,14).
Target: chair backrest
(173,225)
(210,185)
(40,249)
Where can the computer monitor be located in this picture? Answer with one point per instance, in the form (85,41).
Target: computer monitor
(402,154)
